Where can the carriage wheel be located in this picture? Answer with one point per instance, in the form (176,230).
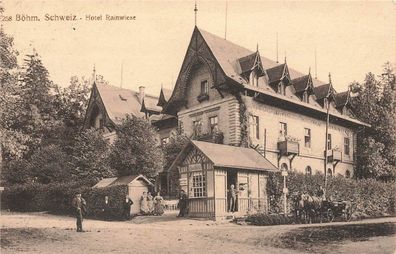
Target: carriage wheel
(348,215)
(303,216)
(330,215)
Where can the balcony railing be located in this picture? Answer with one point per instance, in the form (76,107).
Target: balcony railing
(287,147)
(334,155)
(214,137)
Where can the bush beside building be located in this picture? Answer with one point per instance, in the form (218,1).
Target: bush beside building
(56,199)
(371,198)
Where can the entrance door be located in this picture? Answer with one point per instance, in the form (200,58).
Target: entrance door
(232,179)
(136,190)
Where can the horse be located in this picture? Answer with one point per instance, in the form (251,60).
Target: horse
(307,207)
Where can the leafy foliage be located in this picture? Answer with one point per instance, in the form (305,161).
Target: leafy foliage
(375,103)
(56,198)
(171,150)
(89,156)
(371,197)
(136,149)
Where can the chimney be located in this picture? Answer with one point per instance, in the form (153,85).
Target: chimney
(141,93)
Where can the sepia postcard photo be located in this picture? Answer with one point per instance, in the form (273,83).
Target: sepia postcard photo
(197,126)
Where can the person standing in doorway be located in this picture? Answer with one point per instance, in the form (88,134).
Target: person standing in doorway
(232,197)
(79,204)
(182,204)
(127,208)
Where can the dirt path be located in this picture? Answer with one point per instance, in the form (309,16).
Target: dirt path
(43,233)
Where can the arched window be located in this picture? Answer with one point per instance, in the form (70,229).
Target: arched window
(308,170)
(284,166)
(348,174)
(329,172)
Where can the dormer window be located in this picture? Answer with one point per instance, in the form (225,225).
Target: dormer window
(253,78)
(281,88)
(325,102)
(305,97)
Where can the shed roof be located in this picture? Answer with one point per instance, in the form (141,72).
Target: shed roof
(122,180)
(229,156)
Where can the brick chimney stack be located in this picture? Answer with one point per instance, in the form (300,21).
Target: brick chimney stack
(141,93)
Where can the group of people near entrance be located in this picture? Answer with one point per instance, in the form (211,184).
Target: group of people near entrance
(150,205)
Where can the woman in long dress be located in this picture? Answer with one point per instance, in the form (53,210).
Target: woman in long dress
(158,206)
(144,204)
(150,203)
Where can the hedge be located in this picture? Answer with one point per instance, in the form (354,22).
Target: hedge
(56,198)
(261,219)
(371,198)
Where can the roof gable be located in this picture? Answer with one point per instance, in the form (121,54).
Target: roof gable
(122,180)
(227,156)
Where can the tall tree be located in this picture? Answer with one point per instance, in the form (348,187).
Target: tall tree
(90,157)
(375,103)
(13,143)
(136,150)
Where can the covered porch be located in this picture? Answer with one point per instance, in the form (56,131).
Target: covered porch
(207,171)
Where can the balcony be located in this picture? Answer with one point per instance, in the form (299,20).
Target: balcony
(215,137)
(288,147)
(334,155)
(203,97)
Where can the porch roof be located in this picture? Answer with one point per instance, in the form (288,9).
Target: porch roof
(226,156)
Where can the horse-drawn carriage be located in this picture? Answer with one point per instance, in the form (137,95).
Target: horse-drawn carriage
(337,209)
(309,209)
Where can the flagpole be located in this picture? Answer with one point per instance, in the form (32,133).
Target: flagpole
(326,141)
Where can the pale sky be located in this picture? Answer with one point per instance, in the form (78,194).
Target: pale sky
(351,38)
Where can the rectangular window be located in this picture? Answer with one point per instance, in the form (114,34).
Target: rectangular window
(306,97)
(329,141)
(346,146)
(214,121)
(197,125)
(307,137)
(282,129)
(255,126)
(204,87)
(198,184)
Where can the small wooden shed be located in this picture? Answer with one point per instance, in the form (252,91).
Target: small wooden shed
(137,184)
(207,171)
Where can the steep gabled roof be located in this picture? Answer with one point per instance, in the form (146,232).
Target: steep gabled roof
(301,83)
(341,99)
(276,73)
(227,156)
(322,91)
(149,104)
(120,102)
(164,96)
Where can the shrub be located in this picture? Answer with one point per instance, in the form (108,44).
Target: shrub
(56,198)
(371,198)
(95,200)
(261,219)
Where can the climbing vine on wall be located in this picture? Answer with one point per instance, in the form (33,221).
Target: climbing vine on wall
(244,120)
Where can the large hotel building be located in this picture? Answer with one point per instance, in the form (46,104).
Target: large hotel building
(230,95)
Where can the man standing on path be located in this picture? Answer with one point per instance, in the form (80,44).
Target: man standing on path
(79,205)
(127,208)
(182,204)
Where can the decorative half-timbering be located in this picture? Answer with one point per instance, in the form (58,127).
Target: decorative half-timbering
(208,170)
